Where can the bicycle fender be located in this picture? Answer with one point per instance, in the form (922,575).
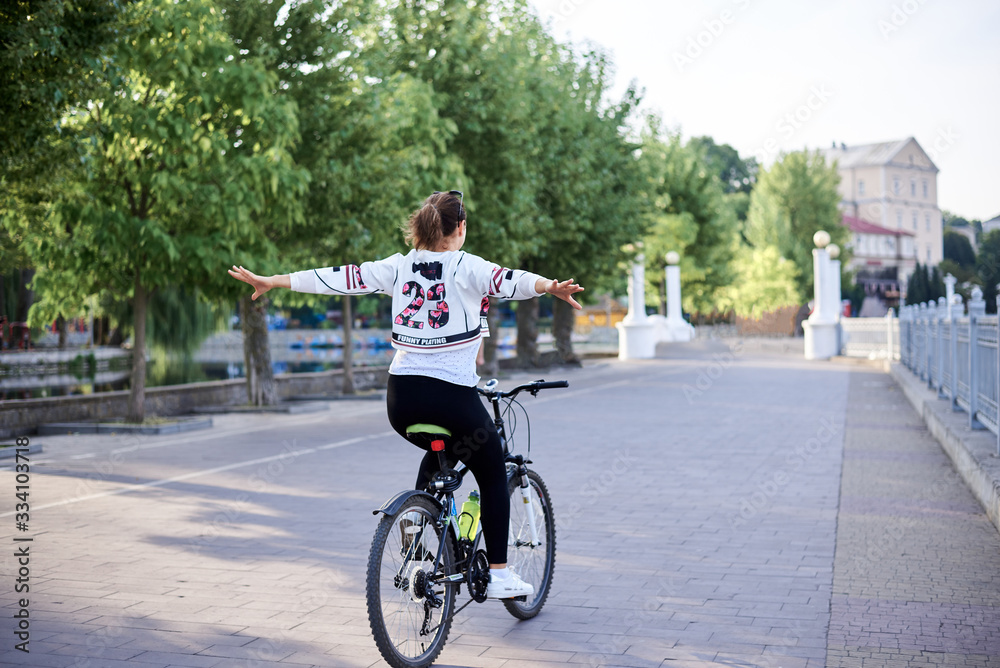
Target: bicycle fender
(392,506)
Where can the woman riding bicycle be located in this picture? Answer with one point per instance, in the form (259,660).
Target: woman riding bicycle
(438,294)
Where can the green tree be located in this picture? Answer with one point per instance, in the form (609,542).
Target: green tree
(688,213)
(958,249)
(373,144)
(738,175)
(763,281)
(793,200)
(169,185)
(502,83)
(588,202)
(988,267)
(953,220)
(47,48)
(924,285)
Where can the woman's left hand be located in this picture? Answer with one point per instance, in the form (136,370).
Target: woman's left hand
(564,291)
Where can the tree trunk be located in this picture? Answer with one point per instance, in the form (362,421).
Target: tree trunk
(347,385)
(527,333)
(61,327)
(261,390)
(24,296)
(563,319)
(3,313)
(491,344)
(136,411)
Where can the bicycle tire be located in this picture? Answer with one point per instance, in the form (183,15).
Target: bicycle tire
(534,565)
(395,613)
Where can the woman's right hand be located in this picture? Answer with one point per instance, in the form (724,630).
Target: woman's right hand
(261,284)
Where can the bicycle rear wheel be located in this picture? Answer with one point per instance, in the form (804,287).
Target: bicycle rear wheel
(410,616)
(534,563)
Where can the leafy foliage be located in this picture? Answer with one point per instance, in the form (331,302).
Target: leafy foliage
(924,285)
(988,267)
(958,248)
(764,281)
(689,214)
(173,167)
(793,200)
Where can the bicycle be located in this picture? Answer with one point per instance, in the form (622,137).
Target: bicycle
(419,558)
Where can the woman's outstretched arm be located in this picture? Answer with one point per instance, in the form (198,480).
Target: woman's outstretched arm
(261,284)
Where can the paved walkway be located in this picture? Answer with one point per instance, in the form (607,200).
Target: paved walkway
(729,506)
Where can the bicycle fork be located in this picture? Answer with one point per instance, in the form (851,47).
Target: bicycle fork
(525,489)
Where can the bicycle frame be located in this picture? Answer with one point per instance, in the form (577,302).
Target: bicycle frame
(446,499)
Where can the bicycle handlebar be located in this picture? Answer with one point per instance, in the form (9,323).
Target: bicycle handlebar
(533,387)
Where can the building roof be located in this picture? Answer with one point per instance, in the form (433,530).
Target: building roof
(864,227)
(869,154)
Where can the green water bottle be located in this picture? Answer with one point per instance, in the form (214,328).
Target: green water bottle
(468,520)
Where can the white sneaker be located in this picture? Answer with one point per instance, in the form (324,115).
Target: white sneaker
(508,587)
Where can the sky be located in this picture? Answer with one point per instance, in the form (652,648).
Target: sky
(766,76)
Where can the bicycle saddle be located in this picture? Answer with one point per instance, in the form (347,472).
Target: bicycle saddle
(430,434)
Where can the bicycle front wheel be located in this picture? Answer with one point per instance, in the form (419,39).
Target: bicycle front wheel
(532,560)
(410,613)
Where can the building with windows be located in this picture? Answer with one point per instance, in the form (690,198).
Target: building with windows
(893,185)
(881,258)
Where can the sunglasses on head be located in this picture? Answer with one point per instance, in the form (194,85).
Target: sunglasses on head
(461,199)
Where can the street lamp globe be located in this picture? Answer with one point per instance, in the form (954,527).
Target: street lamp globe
(834,251)
(821,239)
(673,257)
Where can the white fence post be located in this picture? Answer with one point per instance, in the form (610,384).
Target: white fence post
(977,309)
(955,312)
(889,352)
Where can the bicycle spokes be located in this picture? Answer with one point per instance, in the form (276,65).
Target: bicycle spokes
(411,602)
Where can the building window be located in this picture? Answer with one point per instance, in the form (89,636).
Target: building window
(925,188)
(913,187)
(861,186)
(895,185)
(928,252)
(927,220)
(914,221)
(899,219)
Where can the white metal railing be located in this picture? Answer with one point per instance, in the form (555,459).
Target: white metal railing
(874,338)
(957,354)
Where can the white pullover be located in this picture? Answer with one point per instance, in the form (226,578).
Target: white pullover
(438,298)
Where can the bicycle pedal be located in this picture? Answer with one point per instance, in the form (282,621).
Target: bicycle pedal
(520,599)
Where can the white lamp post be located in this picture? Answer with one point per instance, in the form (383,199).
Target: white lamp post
(821,340)
(677,329)
(636,333)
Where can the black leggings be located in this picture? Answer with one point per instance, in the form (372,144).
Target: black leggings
(475,442)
